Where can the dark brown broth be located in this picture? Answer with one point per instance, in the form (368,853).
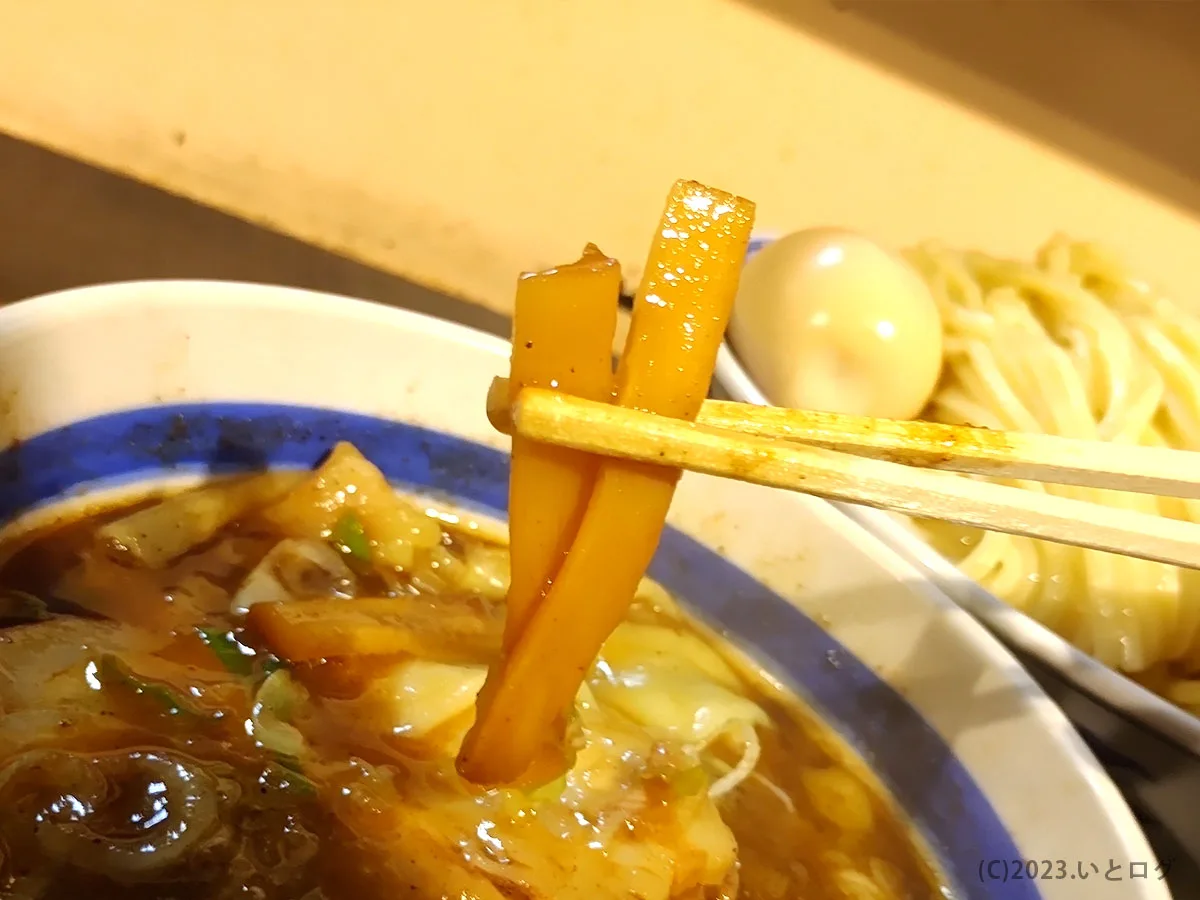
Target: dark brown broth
(277,836)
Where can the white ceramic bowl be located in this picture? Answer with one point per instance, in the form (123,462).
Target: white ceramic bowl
(107,386)
(1101,682)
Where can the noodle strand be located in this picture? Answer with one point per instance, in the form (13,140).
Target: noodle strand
(1074,345)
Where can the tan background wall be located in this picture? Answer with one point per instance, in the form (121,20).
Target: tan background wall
(458,142)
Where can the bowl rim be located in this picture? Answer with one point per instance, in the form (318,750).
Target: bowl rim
(1101,682)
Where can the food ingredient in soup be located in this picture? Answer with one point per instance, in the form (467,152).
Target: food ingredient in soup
(303,685)
(1071,343)
(679,317)
(276,712)
(827,320)
(562,339)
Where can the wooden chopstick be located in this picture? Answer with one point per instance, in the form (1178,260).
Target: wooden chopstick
(550,417)
(1161,471)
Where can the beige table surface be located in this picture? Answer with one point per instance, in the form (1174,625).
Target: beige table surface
(459,142)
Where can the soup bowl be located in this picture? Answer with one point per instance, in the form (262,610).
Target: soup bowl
(109,387)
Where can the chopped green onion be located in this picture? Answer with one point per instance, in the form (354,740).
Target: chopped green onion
(289,775)
(227,650)
(277,700)
(348,536)
(111,671)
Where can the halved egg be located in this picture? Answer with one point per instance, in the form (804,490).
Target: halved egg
(826,319)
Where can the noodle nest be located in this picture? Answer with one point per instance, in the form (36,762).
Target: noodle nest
(1073,344)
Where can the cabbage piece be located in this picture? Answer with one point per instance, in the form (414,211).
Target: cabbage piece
(545,856)
(160,533)
(681,691)
(295,569)
(648,867)
(582,848)
(479,569)
(418,696)
(634,647)
(484,570)
(671,707)
(43,664)
(672,684)
(577,845)
(607,773)
(278,700)
(347,482)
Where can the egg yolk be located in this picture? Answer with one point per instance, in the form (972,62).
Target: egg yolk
(827,320)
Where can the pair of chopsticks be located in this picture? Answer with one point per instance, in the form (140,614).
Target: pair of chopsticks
(886,464)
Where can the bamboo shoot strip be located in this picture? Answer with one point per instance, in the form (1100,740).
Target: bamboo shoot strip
(679,318)
(563,325)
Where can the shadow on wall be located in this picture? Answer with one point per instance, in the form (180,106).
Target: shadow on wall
(66,224)
(1112,83)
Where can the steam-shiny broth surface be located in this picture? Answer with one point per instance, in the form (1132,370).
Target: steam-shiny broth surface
(232,693)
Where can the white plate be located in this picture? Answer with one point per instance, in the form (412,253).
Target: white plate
(107,385)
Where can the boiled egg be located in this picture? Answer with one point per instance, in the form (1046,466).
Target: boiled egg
(828,320)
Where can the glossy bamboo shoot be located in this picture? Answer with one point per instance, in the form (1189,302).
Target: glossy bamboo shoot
(563,325)
(679,319)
